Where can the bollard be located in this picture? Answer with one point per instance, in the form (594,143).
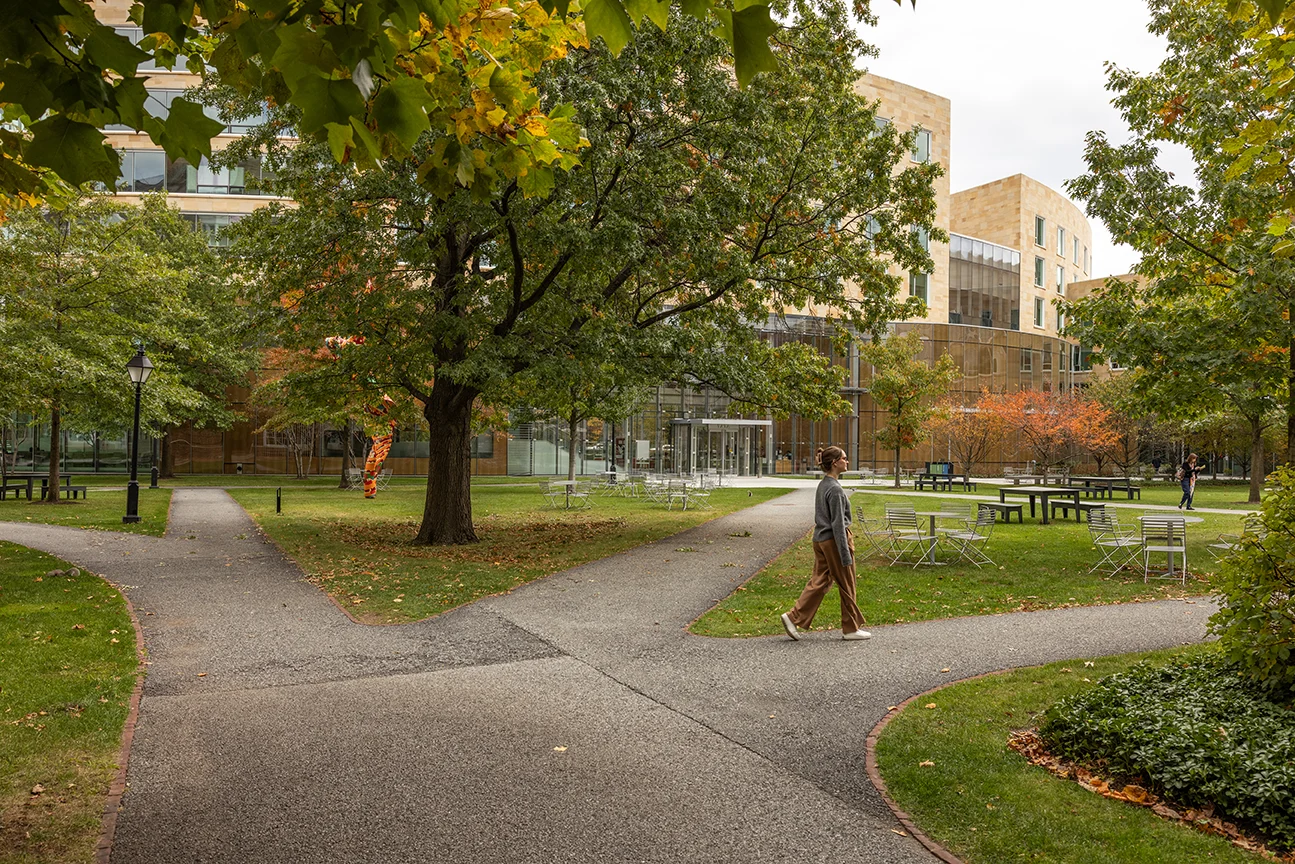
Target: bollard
(278,500)
(153,482)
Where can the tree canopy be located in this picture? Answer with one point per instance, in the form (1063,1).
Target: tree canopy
(367,78)
(698,209)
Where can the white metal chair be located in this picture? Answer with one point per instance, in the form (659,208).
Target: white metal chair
(1119,546)
(384,478)
(876,535)
(676,492)
(970,542)
(1167,534)
(551,494)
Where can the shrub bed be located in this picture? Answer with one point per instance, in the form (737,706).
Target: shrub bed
(1194,732)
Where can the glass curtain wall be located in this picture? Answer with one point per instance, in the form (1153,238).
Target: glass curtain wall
(984,284)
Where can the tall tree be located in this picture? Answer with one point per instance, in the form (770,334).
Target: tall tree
(1219,243)
(972,432)
(698,208)
(1049,424)
(82,287)
(367,78)
(907,387)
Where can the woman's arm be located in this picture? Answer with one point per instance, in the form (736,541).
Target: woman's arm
(837,504)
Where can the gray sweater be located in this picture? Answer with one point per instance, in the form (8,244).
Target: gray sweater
(832,517)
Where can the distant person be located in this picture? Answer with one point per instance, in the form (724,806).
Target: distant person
(833,553)
(1155,465)
(1187,479)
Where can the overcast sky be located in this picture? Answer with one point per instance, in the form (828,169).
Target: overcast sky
(1026,82)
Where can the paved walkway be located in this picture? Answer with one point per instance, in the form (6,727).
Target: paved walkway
(571,720)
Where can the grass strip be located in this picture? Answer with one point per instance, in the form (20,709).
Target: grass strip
(67,669)
(1037,567)
(360,552)
(988,805)
(99,509)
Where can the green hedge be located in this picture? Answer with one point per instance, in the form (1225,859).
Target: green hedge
(1195,733)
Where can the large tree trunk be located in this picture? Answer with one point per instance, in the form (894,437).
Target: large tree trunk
(348,432)
(55,435)
(447,509)
(1256,460)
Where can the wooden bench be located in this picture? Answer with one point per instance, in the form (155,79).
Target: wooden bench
(1132,490)
(17,487)
(1084,507)
(936,481)
(1004,510)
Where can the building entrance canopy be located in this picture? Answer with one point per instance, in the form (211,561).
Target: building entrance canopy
(720,444)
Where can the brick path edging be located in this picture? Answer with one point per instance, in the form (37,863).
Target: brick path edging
(874,775)
(117,788)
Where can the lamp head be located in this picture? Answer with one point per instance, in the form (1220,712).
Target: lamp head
(139,368)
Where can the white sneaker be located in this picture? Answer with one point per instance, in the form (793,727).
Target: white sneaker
(789,627)
(857,636)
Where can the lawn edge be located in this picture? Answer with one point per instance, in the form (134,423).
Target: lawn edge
(874,774)
(117,788)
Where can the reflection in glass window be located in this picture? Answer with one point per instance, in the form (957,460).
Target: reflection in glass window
(1061,279)
(1038,271)
(1061,241)
(1040,231)
(1038,311)
(922,146)
(917,286)
(923,239)
(151,171)
(213,225)
(1027,360)
(984,283)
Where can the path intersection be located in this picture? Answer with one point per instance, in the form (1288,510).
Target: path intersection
(571,720)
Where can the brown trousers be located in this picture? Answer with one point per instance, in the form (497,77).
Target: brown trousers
(828,569)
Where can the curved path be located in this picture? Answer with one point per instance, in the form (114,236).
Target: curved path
(570,720)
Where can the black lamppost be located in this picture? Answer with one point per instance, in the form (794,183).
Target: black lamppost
(139,368)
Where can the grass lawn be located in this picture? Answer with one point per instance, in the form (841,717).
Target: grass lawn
(68,668)
(359,551)
(1038,567)
(1221,495)
(99,509)
(287,481)
(988,805)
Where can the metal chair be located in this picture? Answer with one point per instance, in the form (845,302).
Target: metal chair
(551,495)
(970,542)
(908,536)
(1119,546)
(699,494)
(1166,534)
(676,490)
(384,478)
(876,535)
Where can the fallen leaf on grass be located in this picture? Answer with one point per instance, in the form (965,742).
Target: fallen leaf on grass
(926,763)
(37,789)
(929,705)
(78,626)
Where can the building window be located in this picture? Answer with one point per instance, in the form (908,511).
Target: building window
(922,146)
(1075,241)
(158,103)
(1061,320)
(136,35)
(1061,279)
(923,239)
(1027,360)
(1038,311)
(151,171)
(917,284)
(1061,241)
(213,225)
(1040,231)
(1038,272)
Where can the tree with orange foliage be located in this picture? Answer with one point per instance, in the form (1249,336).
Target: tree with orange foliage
(1049,424)
(972,431)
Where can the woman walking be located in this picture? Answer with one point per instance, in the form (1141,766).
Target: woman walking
(833,554)
(1187,479)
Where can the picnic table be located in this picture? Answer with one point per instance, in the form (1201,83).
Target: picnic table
(1016,479)
(1043,493)
(15,479)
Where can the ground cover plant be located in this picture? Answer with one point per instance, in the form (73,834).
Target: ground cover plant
(1037,567)
(1192,731)
(361,553)
(100,509)
(67,668)
(946,762)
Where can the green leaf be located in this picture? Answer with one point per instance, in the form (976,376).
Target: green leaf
(303,54)
(506,87)
(28,88)
(400,109)
(73,150)
(110,50)
(1274,8)
(1284,249)
(325,101)
(371,149)
(607,18)
(168,16)
(188,131)
(656,11)
(1279,225)
(339,139)
(752,28)
(130,94)
(699,9)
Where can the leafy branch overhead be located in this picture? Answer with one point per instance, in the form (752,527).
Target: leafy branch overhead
(367,78)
